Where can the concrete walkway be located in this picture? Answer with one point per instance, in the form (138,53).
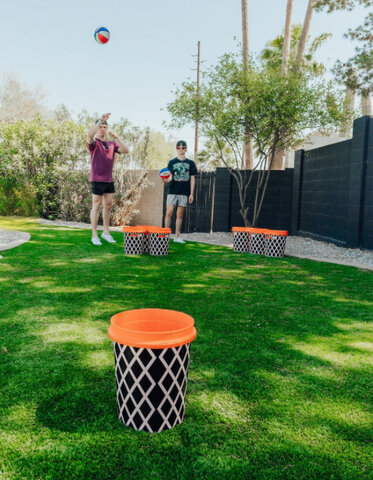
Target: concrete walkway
(12,238)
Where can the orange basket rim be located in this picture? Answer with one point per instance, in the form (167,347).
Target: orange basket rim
(152,328)
(281,233)
(159,230)
(134,229)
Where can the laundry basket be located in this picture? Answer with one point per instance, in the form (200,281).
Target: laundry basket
(257,240)
(275,242)
(133,240)
(152,351)
(159,241)
(241,239)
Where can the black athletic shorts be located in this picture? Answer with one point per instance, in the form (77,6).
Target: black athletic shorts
(99,188)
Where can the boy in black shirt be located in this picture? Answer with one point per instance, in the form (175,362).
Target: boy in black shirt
(181,189)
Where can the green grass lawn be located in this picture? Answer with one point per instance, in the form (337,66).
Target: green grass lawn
(280,379)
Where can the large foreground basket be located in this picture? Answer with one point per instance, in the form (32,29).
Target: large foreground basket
(152,351)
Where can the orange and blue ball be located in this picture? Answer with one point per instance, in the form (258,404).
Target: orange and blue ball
(102,35)
(164,173)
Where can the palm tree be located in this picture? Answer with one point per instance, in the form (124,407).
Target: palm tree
(248,147)
(273,54)
(363,61)
(346,75)
(304,34)
(287,36)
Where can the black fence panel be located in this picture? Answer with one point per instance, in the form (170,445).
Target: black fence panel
(324,193)
(276,209)
(332,190)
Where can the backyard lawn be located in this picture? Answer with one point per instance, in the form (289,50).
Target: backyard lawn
(280,379)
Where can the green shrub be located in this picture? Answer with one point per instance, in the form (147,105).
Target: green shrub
(17,199)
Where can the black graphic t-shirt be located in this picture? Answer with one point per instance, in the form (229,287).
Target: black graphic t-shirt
(181,171)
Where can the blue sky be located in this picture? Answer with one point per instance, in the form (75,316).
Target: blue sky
(49,42)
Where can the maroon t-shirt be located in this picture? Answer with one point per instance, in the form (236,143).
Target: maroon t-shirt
(102,160)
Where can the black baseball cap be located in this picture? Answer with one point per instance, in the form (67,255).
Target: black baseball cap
(181,143)
(102,122)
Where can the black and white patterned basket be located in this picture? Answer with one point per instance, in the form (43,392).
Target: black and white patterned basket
(257,243)
(133,243)
(151,386)
(159,243)
(146,243)
(275,245)
(241,241)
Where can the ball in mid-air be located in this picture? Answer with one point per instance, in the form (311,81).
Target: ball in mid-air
(165,173)
(102,35)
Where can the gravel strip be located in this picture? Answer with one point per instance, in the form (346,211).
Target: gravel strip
(301,247)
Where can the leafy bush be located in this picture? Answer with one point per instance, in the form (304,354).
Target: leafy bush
(17,199)
(44,169)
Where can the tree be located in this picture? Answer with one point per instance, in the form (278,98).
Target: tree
(304,35)
(44,169)
(248,146)
(273,56)
(277,110)
(332,5)
(17,102)
(210,158)
(287,38)
(161,150)
(61,113)
(363,61)
(345,74)
(329,6)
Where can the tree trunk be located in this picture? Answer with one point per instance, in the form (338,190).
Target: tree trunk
(278,160)
(287,38)
(366,103)
(289,159)
(349,105)
(304,35)
(245,35)
(248,147)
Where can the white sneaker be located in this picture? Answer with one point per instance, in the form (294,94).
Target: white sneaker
(178,240)
(108,238)
(96,241)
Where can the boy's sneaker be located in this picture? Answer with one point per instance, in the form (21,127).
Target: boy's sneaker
(96,241)
(178,240)
(108,238)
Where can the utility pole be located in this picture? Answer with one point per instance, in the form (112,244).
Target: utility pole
(196,127)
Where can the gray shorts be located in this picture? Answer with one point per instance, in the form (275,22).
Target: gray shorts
(181,200)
